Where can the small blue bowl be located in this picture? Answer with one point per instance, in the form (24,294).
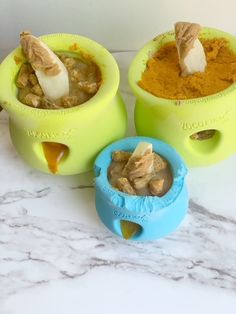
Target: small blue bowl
(158,216)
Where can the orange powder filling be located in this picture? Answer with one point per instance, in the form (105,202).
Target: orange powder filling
(54,152)
(162,76)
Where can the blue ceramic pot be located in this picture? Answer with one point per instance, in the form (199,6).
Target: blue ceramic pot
(158,216)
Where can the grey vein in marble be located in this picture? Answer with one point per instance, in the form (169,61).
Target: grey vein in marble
(35,251)
(15,196)
(82,186)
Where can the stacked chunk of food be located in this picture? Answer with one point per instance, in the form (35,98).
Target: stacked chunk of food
(142,172)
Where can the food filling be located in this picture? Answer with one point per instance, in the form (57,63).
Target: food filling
(54,153)
(144,174)
(84,81)
(203,135)
(129,229)
(163,78)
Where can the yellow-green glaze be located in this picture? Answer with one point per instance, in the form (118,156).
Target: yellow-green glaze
(174,121)
(85,129)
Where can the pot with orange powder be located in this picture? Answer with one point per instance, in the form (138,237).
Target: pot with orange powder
(63,135)
(195,113)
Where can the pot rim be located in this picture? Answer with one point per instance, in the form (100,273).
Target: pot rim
(101,56)
(137,203)
(146,52)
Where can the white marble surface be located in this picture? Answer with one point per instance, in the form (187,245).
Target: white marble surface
(56,256)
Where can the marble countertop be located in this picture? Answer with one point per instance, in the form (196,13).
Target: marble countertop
(57,257)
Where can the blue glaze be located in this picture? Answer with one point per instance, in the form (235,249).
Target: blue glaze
(158,216)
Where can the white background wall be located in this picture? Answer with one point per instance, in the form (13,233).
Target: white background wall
(117,24)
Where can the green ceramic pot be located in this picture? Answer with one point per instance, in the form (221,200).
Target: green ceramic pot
(174,121)
(85,129)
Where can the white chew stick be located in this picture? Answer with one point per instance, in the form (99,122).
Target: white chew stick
(143,148)
(56,86)
(195,61)
(50,71)
(191,54)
